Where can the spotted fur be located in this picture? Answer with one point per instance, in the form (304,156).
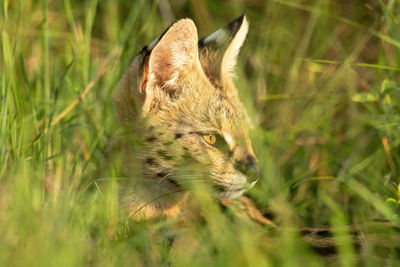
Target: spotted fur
(177,89)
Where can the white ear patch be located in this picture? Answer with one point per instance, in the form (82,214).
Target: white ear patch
(218,36)
(230,56)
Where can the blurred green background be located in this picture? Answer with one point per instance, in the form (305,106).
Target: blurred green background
(320,79)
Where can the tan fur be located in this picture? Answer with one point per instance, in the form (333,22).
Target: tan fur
(186,92)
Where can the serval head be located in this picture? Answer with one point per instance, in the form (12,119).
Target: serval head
(179,94)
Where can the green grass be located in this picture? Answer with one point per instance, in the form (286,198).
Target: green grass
(320,80)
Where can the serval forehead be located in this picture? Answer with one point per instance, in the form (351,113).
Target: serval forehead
(232,118)
(205,115)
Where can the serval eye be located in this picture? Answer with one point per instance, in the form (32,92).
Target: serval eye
(216,141)
(210,139)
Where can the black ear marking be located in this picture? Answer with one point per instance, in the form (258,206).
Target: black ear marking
(234,25)
(222,37)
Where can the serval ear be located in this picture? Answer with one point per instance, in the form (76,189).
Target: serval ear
(175,54)
(219,50)
(156,70)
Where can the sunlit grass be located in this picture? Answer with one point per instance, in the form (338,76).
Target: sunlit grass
(320,80)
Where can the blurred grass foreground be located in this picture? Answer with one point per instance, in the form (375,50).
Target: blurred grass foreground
(320,78)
